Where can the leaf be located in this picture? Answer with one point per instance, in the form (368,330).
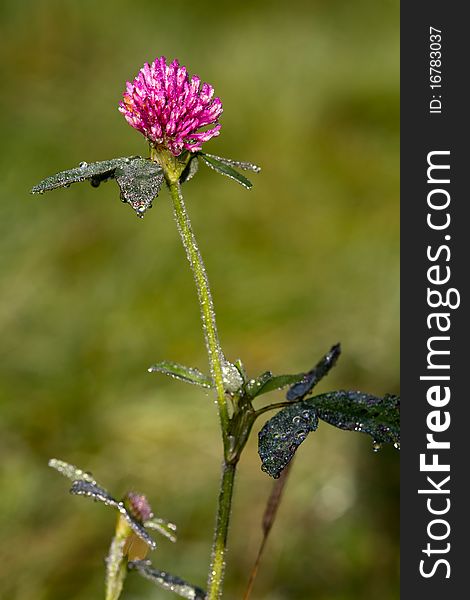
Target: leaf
(191,169)
(167,581)
(280,437)
(163,527)
(254,386)
(246,166)
(356,411)
(301,389)
(267,382)
(99,494)
(226,169)
(94,491)
(139,179)
(302,383)
(70,471)
(182,373)
(140,182)
(96,172)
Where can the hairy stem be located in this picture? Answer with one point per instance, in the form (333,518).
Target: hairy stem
(214,351)
(216,362)
(219,545)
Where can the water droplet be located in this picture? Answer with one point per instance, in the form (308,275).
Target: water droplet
(397,445)
(376,446)
(83,164)
(306,415)
(296,420)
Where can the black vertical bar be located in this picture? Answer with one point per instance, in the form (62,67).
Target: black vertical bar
(425,246)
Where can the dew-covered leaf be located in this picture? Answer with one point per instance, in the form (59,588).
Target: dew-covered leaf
(356,411)
(163,527)
(139,179)
(254,386)
(280,437)
(226,169)
(167,581)
(137,528)
(71,471)
(240,164)
(99,494)
(191,169)
(96,172)
(267,382)
(302,383)
(93,491)
(186,374)
(277,382)
(302,388)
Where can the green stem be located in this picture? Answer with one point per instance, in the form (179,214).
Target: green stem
(216,361)
(274,406)
(219,546)
(216,357)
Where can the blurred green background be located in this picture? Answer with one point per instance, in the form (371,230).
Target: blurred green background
(91,295)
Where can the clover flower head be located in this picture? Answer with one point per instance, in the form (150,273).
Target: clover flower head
(169,108)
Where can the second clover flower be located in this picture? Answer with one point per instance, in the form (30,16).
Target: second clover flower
(169,108)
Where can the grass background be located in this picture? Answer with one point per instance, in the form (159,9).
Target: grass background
(91,296)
